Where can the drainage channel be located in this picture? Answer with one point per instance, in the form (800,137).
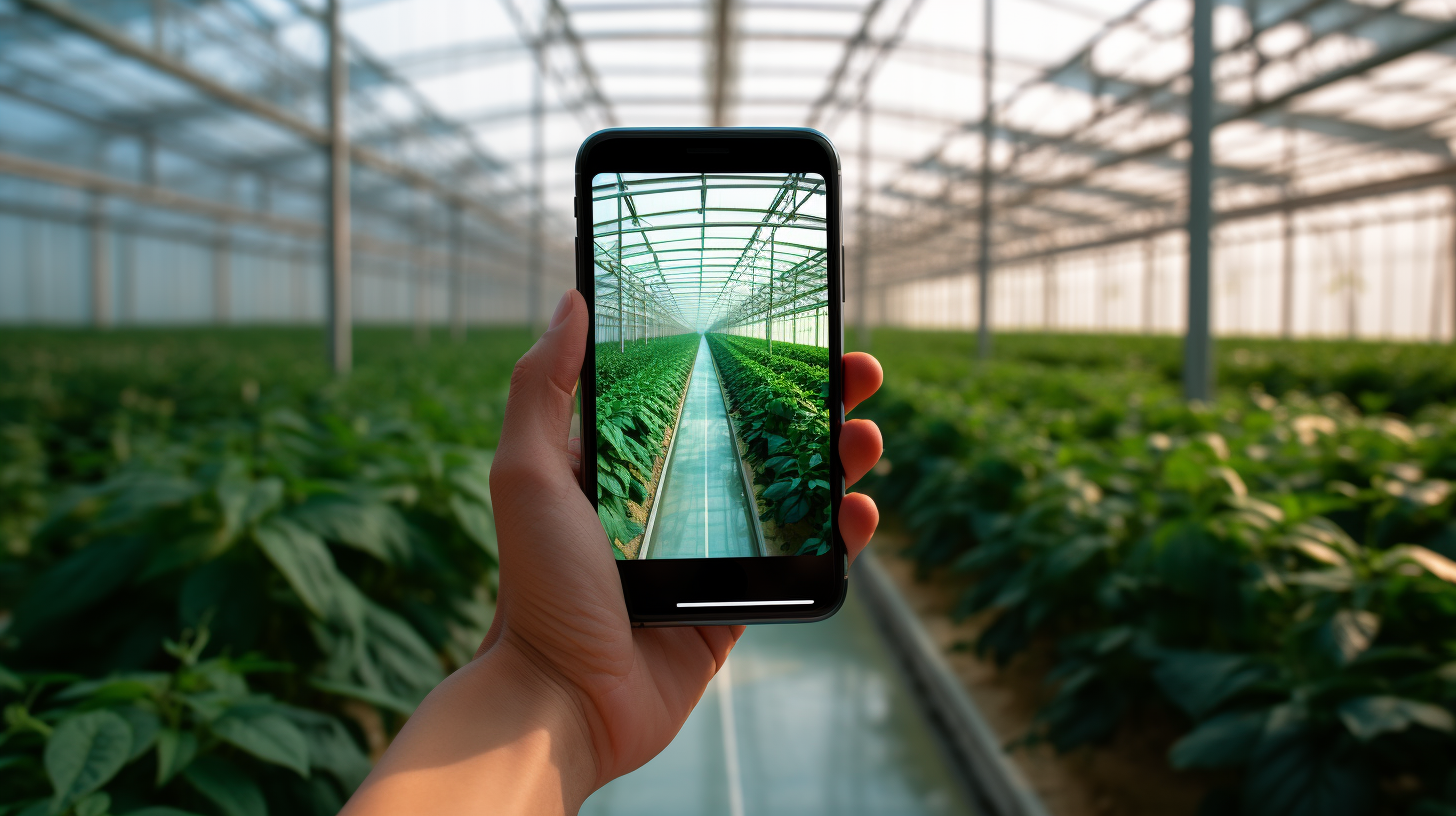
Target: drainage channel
(703,508)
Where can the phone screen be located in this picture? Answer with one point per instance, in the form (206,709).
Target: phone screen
(712,364)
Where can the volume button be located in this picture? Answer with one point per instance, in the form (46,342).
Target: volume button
(843,294)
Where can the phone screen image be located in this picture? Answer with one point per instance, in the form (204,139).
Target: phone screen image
(712,364)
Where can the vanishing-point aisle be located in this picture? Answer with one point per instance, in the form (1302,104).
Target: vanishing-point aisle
(702,509)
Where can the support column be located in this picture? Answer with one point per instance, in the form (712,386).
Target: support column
(419,269)
(538,192)
(128,275)
(621,275)
(457,274)
(336,249)
(100,264)
(768,315)
(222,278)
(1048,291)
(1286,218)
(1198,372)
(1150,271)
(862,251)
(988,133)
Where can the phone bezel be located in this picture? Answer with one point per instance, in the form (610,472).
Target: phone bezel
(653,588)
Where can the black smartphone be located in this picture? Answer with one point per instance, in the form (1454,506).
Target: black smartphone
(712,262)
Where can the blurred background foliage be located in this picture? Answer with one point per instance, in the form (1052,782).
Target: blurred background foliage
(227,576)
(1273,569)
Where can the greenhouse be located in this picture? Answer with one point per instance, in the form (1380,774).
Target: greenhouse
(1164,292)
(679,260)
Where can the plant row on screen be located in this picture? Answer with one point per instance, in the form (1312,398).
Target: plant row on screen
(777,399)
(1275,573)
(229,576)
(640,389)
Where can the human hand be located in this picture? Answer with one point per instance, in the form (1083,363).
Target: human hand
(565,695)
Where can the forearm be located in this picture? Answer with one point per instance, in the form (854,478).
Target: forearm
(498,737)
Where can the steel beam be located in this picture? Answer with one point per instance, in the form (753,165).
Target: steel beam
(722,61)
(222,284)
(538,196)
(457,275)
(988,133)
(1198,371)
(100,263)
(336,240)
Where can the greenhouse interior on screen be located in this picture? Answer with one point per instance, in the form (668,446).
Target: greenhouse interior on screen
(1164,292)
(712,327)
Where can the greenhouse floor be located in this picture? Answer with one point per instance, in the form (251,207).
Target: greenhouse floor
(702,507)
(804,719)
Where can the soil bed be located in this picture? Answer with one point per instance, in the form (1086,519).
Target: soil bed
(1129,776)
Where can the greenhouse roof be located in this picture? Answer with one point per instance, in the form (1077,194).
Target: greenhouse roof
(216,110)
(711,249)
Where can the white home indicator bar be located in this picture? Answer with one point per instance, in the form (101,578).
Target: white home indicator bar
(742,603)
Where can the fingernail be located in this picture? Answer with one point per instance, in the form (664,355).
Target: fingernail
(561,309)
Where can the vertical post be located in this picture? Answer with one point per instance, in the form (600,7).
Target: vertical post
(100,264)
(768,315)
(621,274)
(1198,345)
(1352,281)
(1450,282)
(336,250)
(222,274)
(457,273)
(1150,274)
(538,192)
(128,277)
(1048,291)
(988,133)
(1286,294)
(420,270)
(862,251)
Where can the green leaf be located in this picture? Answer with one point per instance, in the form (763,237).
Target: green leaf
(309,568)
(1369,717)
(97,804)
(1198,681)
(331,748)
(476,520)
(1350,632)
(158,810)
(83,580)
(267,736)
(1223,741)
(144,726)
(372,527)
(84,753)
(1296,772)
(376,698)
(226,786)
(175,751)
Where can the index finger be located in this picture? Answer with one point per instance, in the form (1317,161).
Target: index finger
(862,378)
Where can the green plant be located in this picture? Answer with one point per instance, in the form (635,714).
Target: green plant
(786,435)
(1275,571)
(221,481)
(640,390)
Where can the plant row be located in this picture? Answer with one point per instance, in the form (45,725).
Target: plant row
(805,366)
(641,391)
(1399,378)
(1275,572)
(226,572)
(784,426)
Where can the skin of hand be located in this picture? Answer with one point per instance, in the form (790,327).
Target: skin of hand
(564,695)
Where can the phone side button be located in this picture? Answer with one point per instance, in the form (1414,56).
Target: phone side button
(843,295)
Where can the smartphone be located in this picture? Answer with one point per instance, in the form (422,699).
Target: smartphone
(712,262)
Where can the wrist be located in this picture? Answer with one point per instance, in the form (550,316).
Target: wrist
(502,735)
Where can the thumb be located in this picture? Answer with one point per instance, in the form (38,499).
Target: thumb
(543,387)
